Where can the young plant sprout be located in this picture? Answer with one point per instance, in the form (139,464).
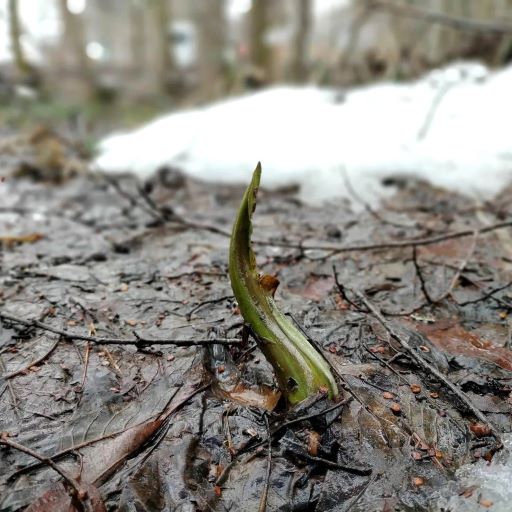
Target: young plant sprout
(300,369)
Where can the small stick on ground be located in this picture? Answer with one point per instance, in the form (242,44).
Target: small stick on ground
(352,191)
(429,368)
(79,492)
(115,341)
(453,282)
(86,365)
(334,249)
(419,273)
(264,495)
(459,270)
(487,295)
(205,302)
(343,293)
(14,398)
(34,362)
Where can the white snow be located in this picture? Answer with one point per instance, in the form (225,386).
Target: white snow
(307,136)
(491,483)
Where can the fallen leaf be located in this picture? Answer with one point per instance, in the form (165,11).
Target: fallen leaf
(317,287)
(454,339)
(10,240)
(57,499)
(479,429)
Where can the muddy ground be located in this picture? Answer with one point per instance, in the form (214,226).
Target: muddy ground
(409,304)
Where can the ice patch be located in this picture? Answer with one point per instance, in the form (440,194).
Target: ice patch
(492,482)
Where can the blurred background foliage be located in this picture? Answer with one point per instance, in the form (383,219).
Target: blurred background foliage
(99,64)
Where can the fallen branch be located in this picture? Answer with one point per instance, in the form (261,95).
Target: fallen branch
(35,362)
(395,244)
(204,303)
(79,492)
(455,22)
(419,273)
(430,369)
(264,495)
(487,295)
(138,341)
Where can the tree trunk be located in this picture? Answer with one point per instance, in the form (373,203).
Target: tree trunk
(166,69)
(137,39)
(213,72)
(260,53)
(74,44)
(24,68)
(302,41)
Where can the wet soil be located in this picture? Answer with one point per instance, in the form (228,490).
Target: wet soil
(148,426)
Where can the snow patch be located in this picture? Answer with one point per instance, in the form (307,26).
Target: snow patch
(491,482)
(451,128)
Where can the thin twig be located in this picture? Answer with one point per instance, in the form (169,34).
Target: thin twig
(419,273)
(86,365)
(10,387)
(352,191)
(334,249)
(326,462)
(35,362)
(432,370)
(343,293)
(289,423)
(455,277)
(115,341)
(460,269)
(455,22)
(264,494)
(487,295)
(441,93)
(406,382)
(205,302)
(89,442)
(79,492)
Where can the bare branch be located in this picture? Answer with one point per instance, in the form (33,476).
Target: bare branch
(455,22)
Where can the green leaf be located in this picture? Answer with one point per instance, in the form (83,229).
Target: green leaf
(300,370)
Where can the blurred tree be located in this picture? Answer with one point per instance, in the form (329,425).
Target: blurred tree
(260,52)
(137,39)
(212,23)
(302,40)
(74,45)
(25,70)
(166,69)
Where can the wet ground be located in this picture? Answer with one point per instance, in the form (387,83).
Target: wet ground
(410,305)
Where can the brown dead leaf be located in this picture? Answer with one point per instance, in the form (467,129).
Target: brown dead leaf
(479,429)
(454,339)
(318,287)
(10,240)
(263,397)
(57,499)
(449,249)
